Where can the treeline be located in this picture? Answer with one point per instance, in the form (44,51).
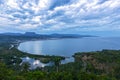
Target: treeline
(99,65)
(9,74)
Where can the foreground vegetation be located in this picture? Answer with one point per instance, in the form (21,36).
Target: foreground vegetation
(99,65)
(12,57)
(9,74)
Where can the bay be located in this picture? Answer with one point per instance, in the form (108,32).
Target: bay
(67,47)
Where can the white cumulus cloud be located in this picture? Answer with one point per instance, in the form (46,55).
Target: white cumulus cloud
(48,15)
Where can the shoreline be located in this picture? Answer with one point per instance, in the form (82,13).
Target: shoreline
(23,41)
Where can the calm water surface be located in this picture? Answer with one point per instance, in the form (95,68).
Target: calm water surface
(67,47)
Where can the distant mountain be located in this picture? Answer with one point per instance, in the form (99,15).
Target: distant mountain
(12,37)
(20,34)
(69,35)
(34,36)
(11,34)
(30,34)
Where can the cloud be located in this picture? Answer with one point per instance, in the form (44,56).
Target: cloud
(60,15)
(12,4)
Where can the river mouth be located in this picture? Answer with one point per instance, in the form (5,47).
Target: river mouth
(34,63)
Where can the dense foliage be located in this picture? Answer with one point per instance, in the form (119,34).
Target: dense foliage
(9,74)
(99,65)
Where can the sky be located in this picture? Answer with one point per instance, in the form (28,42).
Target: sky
(96,17)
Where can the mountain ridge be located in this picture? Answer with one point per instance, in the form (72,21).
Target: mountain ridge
(52,35)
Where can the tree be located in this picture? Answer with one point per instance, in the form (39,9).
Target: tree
(35,75)
(25,66)
(57,62)
(5,73)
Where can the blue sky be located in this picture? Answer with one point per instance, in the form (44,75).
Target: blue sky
(96,17)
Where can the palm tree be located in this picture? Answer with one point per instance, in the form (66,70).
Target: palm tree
(25,66)
(57,62)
